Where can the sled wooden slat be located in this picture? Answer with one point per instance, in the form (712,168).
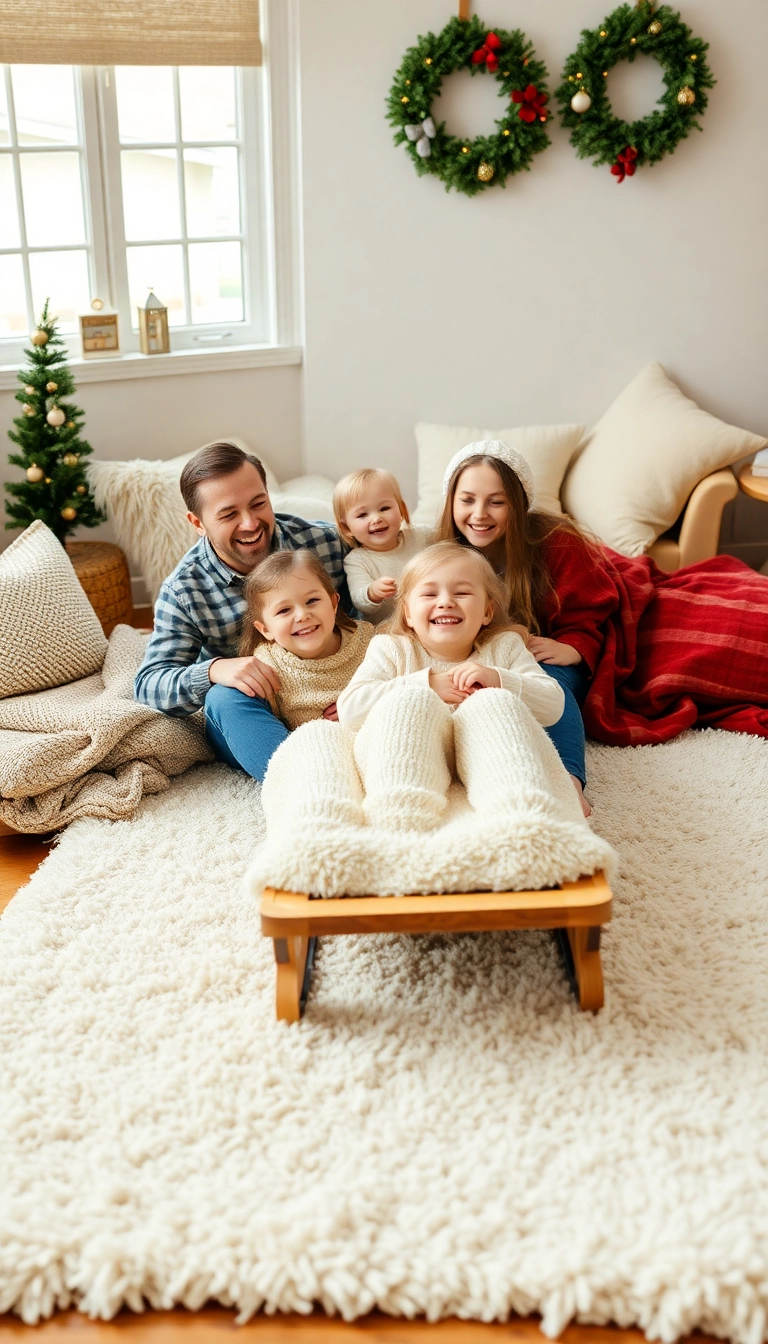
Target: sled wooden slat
(290,919)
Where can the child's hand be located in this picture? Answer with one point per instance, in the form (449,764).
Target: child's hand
(249,675)
(471,676)
(382,589)
(330,712)
(553,651)
(442,684)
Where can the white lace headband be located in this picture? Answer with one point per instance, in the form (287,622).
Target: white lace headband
(493,448)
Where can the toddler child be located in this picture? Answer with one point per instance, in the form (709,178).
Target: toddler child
(294,624)
(445,689)
(372,517)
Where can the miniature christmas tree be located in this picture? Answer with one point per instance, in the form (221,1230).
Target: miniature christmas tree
(51,449)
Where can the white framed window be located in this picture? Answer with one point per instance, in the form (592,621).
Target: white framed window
(115,180)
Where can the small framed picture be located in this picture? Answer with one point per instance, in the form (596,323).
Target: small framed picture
(98,332)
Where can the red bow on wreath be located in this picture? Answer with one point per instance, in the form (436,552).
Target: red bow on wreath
(625,164)
(532,103)
(487,53)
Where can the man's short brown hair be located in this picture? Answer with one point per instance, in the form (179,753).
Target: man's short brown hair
(216,459)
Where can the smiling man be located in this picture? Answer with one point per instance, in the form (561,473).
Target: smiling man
(191,658)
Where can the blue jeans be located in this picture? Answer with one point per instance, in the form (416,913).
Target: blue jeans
(568,733)
(242,730)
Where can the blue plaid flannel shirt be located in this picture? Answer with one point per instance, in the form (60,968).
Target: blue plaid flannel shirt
(200,609)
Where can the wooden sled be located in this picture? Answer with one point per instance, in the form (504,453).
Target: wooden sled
(577,910)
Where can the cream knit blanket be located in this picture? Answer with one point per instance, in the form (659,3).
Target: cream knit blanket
(87,748)
(376,813)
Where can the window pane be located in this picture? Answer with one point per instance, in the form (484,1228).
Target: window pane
(207,102)
(150,194)
(53,199)
(44,98)
(61,277)
(9,223)
(145,108)
(13,304)
(216,282)
(5,131)
(160,269)
(212,192)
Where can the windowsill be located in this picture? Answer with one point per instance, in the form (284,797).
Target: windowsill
(113,370)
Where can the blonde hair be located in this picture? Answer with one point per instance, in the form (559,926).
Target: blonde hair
(426,562)
(267,576)
(351,487)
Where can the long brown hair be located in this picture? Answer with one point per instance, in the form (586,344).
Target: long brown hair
(526,578)
(266,577)
(426,562)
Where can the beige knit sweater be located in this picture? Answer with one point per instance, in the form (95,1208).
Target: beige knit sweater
(309,685)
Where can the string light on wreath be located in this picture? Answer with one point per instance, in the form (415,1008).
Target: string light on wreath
(630,30)
(470,166)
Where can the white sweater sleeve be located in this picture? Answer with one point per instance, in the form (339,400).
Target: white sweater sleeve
(359,578)
(378,673)
(522,675)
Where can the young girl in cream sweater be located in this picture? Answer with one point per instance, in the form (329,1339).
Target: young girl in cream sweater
(451,687)
(372,517)
(295,623)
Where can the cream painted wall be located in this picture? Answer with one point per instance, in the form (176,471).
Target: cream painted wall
(537,303)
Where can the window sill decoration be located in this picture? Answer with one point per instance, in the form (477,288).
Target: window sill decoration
(596,132)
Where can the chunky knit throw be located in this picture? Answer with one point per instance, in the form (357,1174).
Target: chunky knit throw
(309,685)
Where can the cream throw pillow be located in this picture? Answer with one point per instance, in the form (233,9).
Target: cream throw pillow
(50,633)
(547,448)
(639,464)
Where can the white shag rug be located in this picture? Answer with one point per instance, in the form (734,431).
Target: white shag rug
(444,1133)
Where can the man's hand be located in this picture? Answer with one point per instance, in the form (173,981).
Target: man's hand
(382,589)
(553,651)
(442,684)
(331,713)
(247,675)
(471,676)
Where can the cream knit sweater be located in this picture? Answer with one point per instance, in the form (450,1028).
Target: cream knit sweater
(363,567)
(394,659)
(309,685)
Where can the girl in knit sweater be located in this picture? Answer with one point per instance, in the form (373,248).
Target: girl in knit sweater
(372,517)
(415,702)
(295,621)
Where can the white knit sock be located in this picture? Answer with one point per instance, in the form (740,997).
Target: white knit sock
(312,776)
(501,754)
(404,752)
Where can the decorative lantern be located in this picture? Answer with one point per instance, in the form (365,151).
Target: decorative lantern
(153,327)
(98,332)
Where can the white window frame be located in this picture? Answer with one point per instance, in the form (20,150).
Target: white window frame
(270,210)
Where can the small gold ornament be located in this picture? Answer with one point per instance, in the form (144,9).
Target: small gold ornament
(525,62)
(694,57)
(506,132)
(404,99)
(51,387)
(603,33)
(69,513)
(70,459)
(81,490)
(655,27)
(505,73)
(485,171)
(27,409)
(39,337)
(30,391)
(70,424)
(428,61)
(633,41)
(465,149)
(47,480)
(579,75)
(605,74)
(408,82)
(35,473)
(686,97)
(572,78)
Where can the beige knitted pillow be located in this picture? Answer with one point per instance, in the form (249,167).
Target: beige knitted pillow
(50,633)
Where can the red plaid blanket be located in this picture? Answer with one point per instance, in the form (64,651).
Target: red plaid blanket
(666,651)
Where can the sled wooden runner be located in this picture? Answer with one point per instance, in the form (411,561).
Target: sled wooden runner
(577,909)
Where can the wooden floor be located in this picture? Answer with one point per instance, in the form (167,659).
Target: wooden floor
(20,855)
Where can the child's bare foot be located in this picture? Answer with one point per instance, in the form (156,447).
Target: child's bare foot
(585,807)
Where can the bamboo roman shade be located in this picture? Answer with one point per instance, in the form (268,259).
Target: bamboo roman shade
(130,32)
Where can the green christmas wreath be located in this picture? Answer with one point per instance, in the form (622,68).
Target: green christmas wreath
(470,165)
(586,109)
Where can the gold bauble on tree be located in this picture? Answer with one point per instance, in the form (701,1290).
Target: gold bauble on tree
(35,473)
(686,97)
(51,387)
(70,459)
(56,417)
(81,490)
(69,513)
(655,27)
(39,337)
(30,391)
(485,171)
(27,409)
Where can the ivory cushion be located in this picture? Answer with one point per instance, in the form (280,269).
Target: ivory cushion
(50,632)
(635,470)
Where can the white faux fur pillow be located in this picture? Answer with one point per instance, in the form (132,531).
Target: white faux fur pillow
(639,464)
(51,634)
(547,448)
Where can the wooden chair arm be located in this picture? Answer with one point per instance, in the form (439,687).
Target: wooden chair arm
(700,530)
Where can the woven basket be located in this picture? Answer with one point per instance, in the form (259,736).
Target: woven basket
(103,572)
